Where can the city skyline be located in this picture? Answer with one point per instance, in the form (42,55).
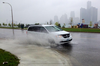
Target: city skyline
(64,19)
(89,14)
(42,11)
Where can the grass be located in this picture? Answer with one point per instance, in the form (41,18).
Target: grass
(8,57)
(92,30)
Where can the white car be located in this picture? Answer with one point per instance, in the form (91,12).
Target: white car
(51,33)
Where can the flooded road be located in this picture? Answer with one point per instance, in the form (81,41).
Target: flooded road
(84,50)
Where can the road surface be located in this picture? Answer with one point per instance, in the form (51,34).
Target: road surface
(84,50)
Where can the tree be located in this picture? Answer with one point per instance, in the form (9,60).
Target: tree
(14,24)
(3,24)
(56,23)
(0,24)
(59,25)
(9,24)
(27,25)
(64,25)
(90,23)
(19,25)
(36,23)
(71,21)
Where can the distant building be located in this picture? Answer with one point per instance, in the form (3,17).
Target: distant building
(72,14)
(88,4)
(63,19)
(83,14)
(75,19)
(89,14)
(99,21)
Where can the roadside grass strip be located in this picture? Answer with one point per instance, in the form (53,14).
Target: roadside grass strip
(92,30)
(8,59)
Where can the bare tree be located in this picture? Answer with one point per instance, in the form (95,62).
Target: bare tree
(71,21)
(90,23)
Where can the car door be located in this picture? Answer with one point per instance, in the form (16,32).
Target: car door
(32,31)
(42,33)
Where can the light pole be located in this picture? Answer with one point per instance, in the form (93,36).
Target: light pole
(11,12)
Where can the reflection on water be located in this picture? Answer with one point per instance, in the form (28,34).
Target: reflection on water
(85,35)
(65,48)
(13,33)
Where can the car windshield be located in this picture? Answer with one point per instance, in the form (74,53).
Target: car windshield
(53,28)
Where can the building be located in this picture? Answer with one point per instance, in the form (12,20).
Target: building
(89,14)
(83,14)
(75,19)
(63,19)
(72,14)
(88,4)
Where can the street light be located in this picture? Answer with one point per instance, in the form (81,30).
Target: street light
(11,12)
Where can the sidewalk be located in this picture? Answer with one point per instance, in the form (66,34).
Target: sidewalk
(32,55)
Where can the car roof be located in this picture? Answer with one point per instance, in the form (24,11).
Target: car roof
(48,25)
(40,25)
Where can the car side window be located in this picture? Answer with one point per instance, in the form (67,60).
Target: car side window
(42,29)
(38,29)
(30,29)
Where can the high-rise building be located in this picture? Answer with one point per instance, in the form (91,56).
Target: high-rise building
(83,14)
(72,14)
(55,19)
(88,4)
(63,19)
(75,19)
(89,14)
(94,14)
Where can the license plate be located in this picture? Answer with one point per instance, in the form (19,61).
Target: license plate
(67,39)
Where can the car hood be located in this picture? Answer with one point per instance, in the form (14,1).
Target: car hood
(60,32)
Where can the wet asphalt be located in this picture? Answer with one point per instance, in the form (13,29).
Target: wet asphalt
(84,50)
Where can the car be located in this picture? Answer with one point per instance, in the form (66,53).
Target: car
(51,33)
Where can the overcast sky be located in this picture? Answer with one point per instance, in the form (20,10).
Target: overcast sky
(41,11)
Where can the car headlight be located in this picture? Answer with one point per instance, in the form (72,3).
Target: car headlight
(59,36)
